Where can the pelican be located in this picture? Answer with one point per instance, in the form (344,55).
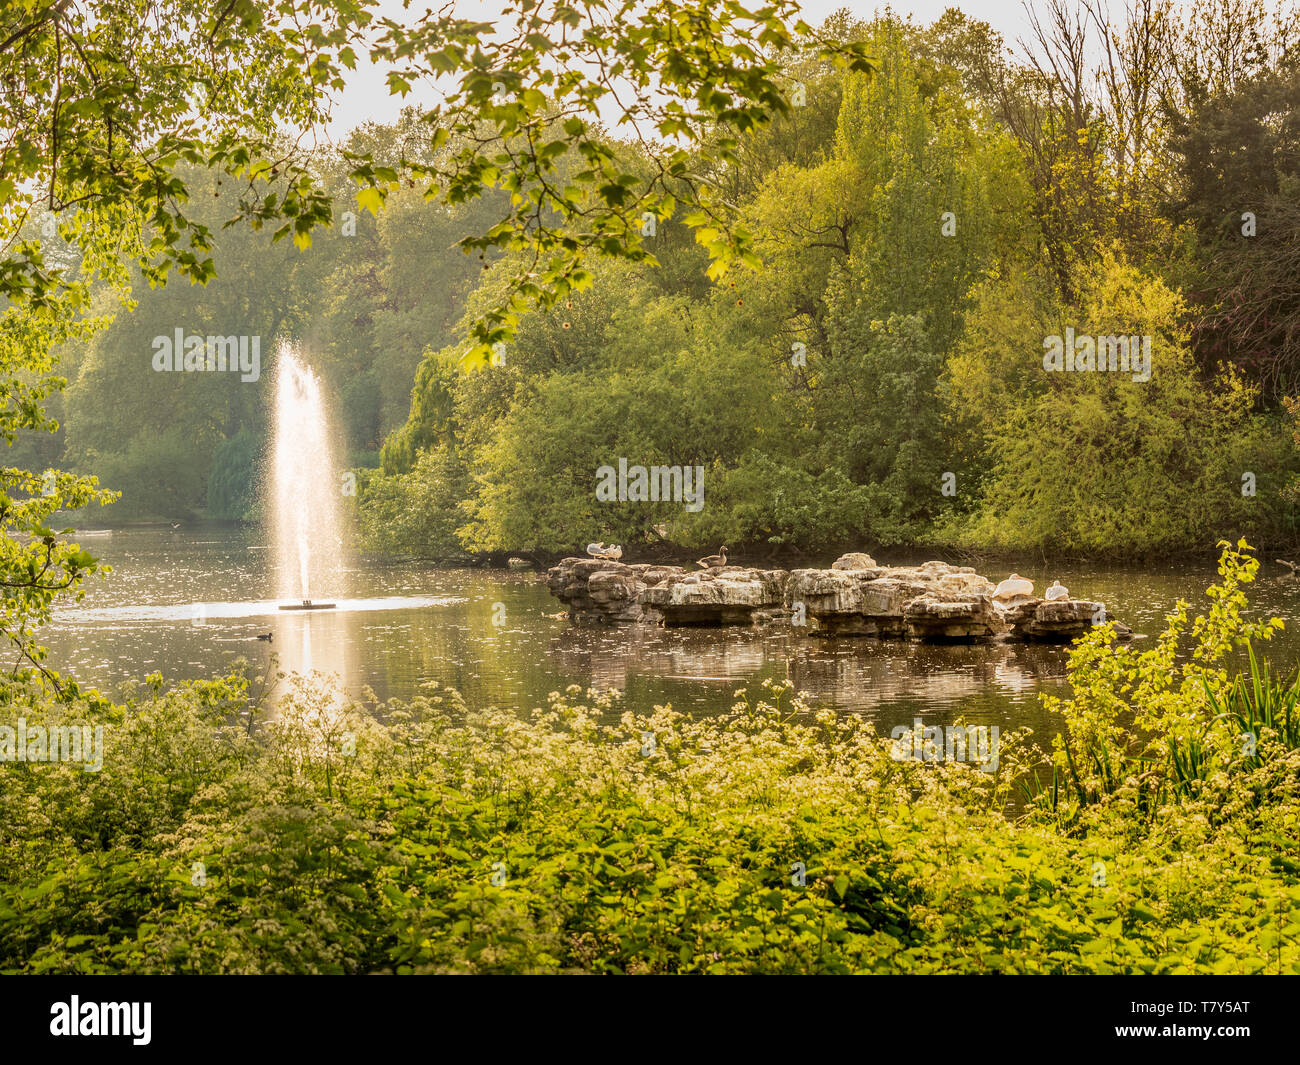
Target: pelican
(598,550)
(1013,587)
(714,561)
(1056,591)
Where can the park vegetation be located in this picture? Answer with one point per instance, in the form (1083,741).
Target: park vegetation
(829,286)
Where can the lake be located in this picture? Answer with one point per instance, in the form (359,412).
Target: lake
(187,602)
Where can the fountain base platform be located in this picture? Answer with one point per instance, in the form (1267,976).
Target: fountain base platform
(307,604)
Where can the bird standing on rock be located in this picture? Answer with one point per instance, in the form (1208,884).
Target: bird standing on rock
(714,561)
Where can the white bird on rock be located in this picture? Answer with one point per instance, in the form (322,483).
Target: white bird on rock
(1056,591)
(599,550)
(1013,587)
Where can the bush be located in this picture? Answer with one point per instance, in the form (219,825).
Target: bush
(414,513)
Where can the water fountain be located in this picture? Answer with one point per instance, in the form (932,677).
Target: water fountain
(304,489)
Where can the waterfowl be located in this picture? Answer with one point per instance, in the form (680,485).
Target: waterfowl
(714,561)
(264,636)
(1056,591)
(1013,587)
(599,550)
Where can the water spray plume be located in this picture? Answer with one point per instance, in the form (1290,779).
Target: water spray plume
(304,487)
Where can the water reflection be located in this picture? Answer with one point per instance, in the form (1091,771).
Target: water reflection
(889,681)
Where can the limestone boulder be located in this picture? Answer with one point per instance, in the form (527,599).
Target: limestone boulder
(729,595)
(941,617)
(847,602)
(602,591)
(856,599)
(1056,621)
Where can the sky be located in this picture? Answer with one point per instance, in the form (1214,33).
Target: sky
(366,96)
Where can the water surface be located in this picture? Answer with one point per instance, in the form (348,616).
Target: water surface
(187,602)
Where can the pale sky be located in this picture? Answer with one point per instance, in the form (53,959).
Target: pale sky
(366,96)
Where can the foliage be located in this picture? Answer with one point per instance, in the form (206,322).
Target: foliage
(234,473)
(921,229)
(870,290)
(1237,147)
(414,513)
(1101,461)
(1146,728)
(36,567)
(527,120)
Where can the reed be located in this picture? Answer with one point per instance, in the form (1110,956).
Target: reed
(1258,704)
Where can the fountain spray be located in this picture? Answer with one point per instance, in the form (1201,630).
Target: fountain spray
(304,489)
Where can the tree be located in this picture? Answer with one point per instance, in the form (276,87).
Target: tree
(1239,156)
(1105,463)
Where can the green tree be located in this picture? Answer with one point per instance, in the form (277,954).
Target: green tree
(1101,462)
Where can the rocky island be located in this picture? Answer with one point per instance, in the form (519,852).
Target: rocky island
(934,602)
